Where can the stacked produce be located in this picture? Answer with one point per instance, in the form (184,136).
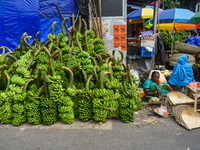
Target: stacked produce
(179,36)
(64,78)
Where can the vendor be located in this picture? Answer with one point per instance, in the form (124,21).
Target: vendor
(182,74)
(153,88)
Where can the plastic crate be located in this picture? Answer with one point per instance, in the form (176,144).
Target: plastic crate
(145,53)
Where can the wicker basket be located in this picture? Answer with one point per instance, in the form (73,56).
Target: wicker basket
(174,59)
(176,97)
(186,116)
(187,48)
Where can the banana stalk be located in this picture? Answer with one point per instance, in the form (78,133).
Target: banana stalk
(26,85)
(86,41)
(71,76)
(88,83)
(39,77)
(102,77)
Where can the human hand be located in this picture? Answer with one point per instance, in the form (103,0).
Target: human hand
(159,92)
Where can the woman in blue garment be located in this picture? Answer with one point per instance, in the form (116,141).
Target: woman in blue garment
(153,88)
(182,74)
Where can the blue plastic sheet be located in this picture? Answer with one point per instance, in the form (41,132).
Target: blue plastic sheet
(193,40)
(22,16)
(67,7)
(16,18)
(45,27)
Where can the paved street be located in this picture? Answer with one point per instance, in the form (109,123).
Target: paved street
(148,132)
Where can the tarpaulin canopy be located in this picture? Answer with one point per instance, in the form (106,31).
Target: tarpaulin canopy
(22,16)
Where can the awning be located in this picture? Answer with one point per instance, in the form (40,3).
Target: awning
(139,2)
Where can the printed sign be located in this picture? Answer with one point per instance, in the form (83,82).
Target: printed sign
(119,36)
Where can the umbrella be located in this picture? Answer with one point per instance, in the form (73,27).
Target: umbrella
(137,16)
(196,17)
(175,19)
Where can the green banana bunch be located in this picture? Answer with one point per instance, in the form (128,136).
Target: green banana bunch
(85,105)
(19,114)
(23,71)
(49,116)
(17,80)
(65,109)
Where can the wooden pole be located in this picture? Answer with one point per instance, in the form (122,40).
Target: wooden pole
(101,36)
(73,22)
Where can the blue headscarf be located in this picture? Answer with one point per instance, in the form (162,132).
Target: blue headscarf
(182,74)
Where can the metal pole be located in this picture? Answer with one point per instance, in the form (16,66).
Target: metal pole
(155,16)
(163,5)
(173,38)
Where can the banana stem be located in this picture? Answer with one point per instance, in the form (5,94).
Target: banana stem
(110,70)
(50,47)
(7,48)
(57,41)
(13,57)
(102,78)
(95,62)
(62,26)
(47,43)
(21,42)
(40,90)
(71,76)
(26,41)
(46,88)
(124,76)
(124,65)
(53,27)
(88,83)
(84,75)
(100,59)
(31,59)
(86,41)
(70,50)
(2,72)
(36,37)
(122,55)
(26,85)
(51,66)
(8,81)
(39,77)
(95,74)
(3,53)
(80,24)
(55,53)
(130,77)
(77,40)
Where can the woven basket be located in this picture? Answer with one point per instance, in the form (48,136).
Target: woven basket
(174,59)
(187,48)
(186,116)
(176,97)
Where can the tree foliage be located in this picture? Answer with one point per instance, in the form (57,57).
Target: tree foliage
(188,4)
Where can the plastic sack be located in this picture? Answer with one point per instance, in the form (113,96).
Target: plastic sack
(155,100)
(149,49)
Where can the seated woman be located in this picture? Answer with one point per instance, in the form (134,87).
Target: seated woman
(153,88)
(182,74)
